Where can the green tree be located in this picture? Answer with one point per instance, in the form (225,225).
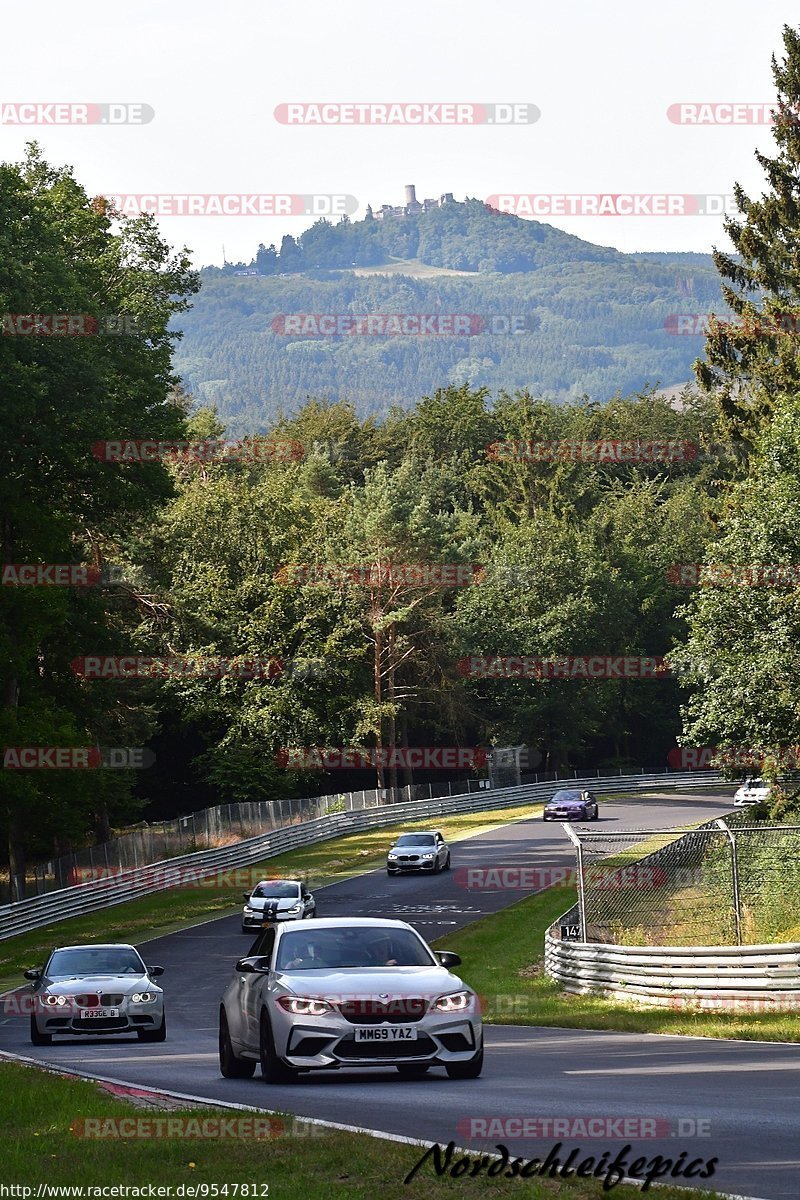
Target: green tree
(392,521)
(753,360)
(290,255)
(60,253)
(267,260)
(740,657)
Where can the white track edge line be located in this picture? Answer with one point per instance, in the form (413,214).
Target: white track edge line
(379,1134)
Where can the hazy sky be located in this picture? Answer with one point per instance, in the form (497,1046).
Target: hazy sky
(602,74)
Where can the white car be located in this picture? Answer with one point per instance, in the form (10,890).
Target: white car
(751,791)
(96,989)
(347,992)
(423,851)
(277,900)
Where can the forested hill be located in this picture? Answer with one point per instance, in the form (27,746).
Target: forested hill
(461,237)
(588,319)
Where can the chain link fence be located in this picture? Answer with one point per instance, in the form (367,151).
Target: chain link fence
(728,882)
(211,828)
(225,824)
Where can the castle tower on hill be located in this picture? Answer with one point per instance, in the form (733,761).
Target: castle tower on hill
(412,205)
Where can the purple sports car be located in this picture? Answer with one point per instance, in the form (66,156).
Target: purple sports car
(571,804)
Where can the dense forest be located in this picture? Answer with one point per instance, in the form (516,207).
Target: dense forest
(195,558)
(550,312)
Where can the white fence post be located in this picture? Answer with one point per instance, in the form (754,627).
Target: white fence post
(737,908)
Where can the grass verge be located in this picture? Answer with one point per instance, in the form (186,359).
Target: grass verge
(503,962)
(40,1145)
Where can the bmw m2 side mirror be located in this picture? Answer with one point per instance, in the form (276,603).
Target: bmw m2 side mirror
(251,966)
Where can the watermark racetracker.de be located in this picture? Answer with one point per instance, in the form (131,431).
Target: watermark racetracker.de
(349,758)
(613,204)
(197,666)
(606,450)
(381,574)
(400,324)
(734,758)
(71,325)
(605,1127)
(255,1128)
(77,758)
(58,575)
(166,875)
(410,112)
(588,666)
(775,1002)
(42,112)
(734,574)
(700,324)
(212,450)
(232,204)
(723,112)
(524,878)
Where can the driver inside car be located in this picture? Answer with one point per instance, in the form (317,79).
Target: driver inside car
(308,957)
(382,953)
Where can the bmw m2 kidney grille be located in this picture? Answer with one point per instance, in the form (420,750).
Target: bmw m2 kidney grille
(374,1012)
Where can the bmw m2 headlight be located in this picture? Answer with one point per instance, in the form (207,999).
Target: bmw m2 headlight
(303,1006)
(453,1002)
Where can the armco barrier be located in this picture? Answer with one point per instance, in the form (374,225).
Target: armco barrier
(24,915)
(743,978)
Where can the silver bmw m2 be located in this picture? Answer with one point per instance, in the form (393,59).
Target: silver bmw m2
(319,995)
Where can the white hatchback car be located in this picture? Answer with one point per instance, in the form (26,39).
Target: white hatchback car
(276,900)
(751,791)
(347,992)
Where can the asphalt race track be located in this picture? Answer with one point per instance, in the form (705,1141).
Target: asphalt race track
(739,1101)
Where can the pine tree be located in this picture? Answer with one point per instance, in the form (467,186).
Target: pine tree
(755,358)
(267,260)
(291,254)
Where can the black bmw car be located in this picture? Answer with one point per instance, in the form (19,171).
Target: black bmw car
(571,804)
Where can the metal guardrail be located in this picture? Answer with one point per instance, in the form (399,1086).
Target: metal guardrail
(744,978)
(25,915)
